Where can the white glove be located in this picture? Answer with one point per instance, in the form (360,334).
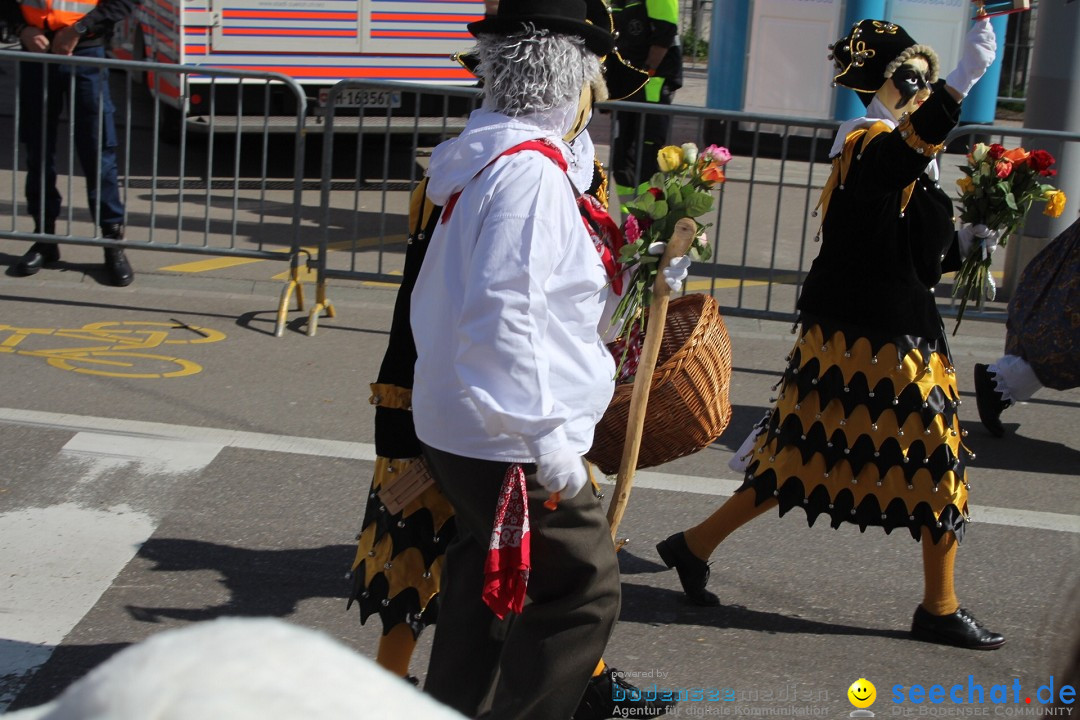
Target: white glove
(980,49)
(676,272)
(561,471)
(973,236)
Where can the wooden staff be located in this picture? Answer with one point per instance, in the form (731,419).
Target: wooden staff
(678,245)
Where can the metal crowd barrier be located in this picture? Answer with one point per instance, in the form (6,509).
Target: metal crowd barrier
(365,188)
(214,185)
(763,228)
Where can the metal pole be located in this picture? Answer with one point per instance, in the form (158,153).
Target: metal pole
(1053,103)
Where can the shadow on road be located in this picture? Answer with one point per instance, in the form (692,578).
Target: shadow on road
(259,582)
(660,606)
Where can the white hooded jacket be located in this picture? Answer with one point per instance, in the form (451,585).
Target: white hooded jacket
(507,308)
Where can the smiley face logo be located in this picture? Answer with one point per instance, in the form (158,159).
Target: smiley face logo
(862,693)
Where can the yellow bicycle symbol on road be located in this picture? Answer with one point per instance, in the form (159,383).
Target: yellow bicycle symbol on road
(116,349)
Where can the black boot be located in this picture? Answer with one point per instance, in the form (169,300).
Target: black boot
(693,571)
(116,263)
(38,256)
(610,695)
(960,629)
(990,402)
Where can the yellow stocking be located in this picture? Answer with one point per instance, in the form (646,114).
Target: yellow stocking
(396,649)
(733,514)
(939,593)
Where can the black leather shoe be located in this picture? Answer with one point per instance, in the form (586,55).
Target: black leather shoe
(989,401)
(38,256)
(118,267)
(610,695)
(112,231)
(693,571)
(960,629)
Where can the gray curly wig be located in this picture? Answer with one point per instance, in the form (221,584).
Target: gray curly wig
(534,71)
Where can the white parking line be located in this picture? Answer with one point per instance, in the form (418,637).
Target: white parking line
(55,563)
(1031,519)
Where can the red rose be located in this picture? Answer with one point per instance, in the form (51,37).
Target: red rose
(1040,161)
(996,151)
(1003,169)
(656,193)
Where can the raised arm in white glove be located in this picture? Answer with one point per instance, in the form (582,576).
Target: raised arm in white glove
(561,471)
(972,236)
(980,48)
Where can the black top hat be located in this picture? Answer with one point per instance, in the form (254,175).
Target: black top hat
(621,78)
(567,17)
(869,55)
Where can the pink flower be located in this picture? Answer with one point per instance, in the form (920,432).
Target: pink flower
(716,154)
(631,229)
(1003,169)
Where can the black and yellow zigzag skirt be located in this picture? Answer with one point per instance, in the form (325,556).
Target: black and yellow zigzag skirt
(867,432)
(399,556)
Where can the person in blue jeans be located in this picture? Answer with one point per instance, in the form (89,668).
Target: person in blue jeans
(77,28)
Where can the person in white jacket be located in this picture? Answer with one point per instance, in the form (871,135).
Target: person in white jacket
(507,316)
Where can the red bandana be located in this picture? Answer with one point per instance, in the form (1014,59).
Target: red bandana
(506,569)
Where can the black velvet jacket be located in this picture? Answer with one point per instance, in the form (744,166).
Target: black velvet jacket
(877,266)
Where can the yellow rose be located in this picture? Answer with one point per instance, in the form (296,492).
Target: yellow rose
(967,186)
(670,158)
(1055,203)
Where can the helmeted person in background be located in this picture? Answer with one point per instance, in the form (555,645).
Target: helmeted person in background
(79,28)
(648,38)
(512,376)
(865,428)
(1042,344)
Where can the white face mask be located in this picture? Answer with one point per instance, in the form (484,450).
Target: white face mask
(907,89)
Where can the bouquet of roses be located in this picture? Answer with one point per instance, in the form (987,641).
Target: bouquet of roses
(997,191)
(682,189)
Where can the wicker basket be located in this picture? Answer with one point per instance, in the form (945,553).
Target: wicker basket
(688,399)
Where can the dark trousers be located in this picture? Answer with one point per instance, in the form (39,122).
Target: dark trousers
(43,95)
(637,139)
(537,664)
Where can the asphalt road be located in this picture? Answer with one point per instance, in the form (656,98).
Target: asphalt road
(231,479)
(197,466)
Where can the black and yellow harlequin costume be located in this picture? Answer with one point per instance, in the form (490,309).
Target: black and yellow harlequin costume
(399,555)
(865,426)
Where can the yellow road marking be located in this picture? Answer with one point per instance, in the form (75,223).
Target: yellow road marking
(220,263)
(217,263)
(372,283)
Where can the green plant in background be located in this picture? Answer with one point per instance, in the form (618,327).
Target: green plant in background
(694,46)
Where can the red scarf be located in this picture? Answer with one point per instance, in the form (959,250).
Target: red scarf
(506,568)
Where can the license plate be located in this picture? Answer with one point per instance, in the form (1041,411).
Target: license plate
(361,98)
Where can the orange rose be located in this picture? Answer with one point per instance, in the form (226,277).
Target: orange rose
(712,173)
(1016,155)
